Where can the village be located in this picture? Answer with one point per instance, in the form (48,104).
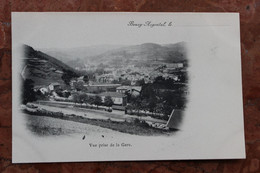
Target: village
(118,91)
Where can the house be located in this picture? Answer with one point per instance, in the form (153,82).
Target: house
(102,87)
(175,65)
(122,89)
(118,98)
(42,89)
(80,79)
(59,71)
(133,90)
(105,78)
(54,86)
(72,83)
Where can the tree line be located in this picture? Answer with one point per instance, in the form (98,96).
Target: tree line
(92,100)
(159,97)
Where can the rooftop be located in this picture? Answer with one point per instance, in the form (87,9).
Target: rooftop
(123,87)
(103,85)
(137,88)
(39,86)
(112,94)
(54,83)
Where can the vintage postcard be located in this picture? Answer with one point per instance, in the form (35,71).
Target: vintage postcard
(126,86)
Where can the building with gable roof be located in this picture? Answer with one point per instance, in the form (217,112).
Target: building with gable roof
(118,98)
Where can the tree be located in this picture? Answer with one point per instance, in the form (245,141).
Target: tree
(66,94)
(82,98)
(128,96)
(90,100)
(126,82)
(136,102)
(28,94)
(75,98)
(86,79)
(100,71)
(140,82)
(59,92)
(152,105)
(66,78)
(159,107)
(108,101)
(144,104)
(148,91)
(97,100)
(115,82)
(40,96)
(79,85)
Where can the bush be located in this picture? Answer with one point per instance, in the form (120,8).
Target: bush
(141,123)
(136,121)
(144,124)
(43,112)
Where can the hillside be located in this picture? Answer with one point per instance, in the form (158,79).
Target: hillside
(67,54)
(137,55)
(143,54)
(44,69)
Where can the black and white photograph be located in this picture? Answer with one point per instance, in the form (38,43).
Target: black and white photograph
(126,86)
(131,89)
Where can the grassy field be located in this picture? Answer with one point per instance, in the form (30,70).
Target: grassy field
(45,126)
(136,127)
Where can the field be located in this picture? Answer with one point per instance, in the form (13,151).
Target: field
(45,122)
(49,126)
